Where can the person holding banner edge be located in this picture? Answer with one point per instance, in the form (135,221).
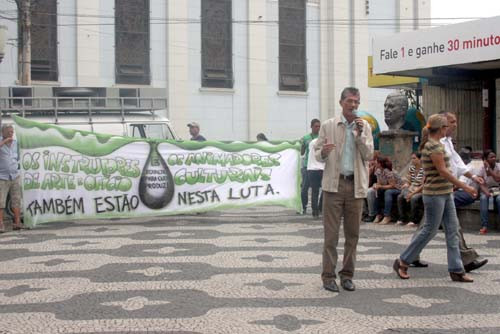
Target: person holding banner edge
(10,177)
(345,144)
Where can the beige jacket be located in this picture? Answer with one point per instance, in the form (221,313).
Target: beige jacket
(334,130)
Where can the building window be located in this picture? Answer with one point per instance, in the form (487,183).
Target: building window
(216,44)
(292,45)
(44,40)
(132,42)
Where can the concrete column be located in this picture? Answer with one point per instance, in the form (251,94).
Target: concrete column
(360,51)
(326,66)
(257,69)
(404,15)
(87,44)
(341,53)
(497,115)
(335,54)
(422,14)
(178,66)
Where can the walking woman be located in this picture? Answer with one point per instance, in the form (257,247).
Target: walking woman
(438,204)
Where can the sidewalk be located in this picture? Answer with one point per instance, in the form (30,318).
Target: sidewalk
(243,271)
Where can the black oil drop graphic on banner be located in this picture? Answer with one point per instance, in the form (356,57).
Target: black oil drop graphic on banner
(156,187)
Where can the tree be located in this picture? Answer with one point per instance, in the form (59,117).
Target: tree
(412,96)
(24,42)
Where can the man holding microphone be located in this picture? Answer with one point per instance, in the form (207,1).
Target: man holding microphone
(345,144)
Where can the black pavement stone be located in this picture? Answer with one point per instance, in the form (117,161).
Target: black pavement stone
(286,322)
(19,290)
(188,303)
(184,303)
(135,332)
(476,330)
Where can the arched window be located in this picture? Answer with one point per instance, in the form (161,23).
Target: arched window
(44,40)
(292,45)
(216,44)
(132,41)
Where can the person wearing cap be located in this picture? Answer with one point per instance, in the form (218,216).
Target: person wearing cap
(194,131)
(261,137)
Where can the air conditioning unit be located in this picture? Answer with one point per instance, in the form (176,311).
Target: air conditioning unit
(79,97)
(153,98)
(112,97)
(42,97)
(130,97)
(25,95)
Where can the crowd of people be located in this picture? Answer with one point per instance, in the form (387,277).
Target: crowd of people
(397,198)
(348,178)
(389,191)
(426,194)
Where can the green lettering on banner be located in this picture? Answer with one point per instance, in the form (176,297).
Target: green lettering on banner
(72,174)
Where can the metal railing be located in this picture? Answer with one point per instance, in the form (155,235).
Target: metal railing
(54,106)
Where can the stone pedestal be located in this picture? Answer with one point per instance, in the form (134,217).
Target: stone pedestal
(397,145)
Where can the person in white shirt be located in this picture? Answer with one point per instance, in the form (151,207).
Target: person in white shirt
(315,175)
(470,258)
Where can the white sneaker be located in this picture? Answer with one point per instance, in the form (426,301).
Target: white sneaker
(400,222)
(386,220)
(411,224)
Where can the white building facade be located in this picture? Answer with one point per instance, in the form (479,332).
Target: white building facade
(337,35)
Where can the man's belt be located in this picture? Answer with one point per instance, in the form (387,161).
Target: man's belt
(347,177)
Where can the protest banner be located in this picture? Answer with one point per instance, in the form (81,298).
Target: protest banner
(70,174)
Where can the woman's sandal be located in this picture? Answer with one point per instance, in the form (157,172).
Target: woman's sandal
(461,277)
(401,269)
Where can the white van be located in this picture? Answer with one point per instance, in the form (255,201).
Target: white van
(120,119)
(130,117)
(132,124)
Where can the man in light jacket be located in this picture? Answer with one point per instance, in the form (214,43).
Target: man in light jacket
(345,144)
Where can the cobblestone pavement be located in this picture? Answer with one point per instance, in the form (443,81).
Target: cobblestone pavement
(245,271)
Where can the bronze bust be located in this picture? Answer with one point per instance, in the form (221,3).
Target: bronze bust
(395,109)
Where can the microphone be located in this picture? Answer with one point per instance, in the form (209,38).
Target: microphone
(359,125)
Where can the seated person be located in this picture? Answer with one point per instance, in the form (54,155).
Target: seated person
(388,186)
(465,153)
(371,196)
(410,198)
(490,189)
(469,176)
